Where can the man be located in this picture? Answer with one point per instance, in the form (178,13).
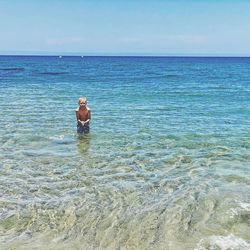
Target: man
(83,116)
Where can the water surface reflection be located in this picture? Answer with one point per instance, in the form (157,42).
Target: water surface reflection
(83,144)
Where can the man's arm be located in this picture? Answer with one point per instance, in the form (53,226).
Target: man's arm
(89,116)
(77,115)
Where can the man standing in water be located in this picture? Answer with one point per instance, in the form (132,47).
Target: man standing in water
(83,116)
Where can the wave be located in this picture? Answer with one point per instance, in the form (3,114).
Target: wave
(172,76)
(12,69)
(61,139)
(53,73)
(223,242)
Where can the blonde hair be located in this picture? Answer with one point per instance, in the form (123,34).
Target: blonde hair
(84,99)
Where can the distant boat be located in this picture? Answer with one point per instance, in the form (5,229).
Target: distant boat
(81,56)
(60,56)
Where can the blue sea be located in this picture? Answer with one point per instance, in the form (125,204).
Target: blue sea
(165,165)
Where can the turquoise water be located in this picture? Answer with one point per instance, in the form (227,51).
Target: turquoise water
(166,165)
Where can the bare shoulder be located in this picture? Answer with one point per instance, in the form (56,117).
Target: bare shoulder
(88,109)
(77,109)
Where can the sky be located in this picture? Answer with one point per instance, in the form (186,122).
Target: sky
(138,27)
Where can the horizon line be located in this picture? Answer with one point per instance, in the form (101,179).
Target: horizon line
(130,55)
(76,54)
(162,54)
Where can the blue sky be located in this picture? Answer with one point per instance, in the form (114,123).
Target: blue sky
(191,27)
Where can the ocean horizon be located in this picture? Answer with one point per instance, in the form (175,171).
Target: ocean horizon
(165,165)
(106,54)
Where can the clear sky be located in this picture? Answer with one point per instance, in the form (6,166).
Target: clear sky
(119,27)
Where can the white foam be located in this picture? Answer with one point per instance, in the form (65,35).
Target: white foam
(245,206)
(233,212)
(223,243)
(60,137)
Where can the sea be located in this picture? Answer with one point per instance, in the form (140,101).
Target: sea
(166,164)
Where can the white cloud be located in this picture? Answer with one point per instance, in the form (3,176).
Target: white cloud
(187,39)
(167,40)
(64,40)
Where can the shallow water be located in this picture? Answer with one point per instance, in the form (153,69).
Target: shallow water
(166,165)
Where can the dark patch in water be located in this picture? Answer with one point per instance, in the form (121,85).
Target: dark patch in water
(172,76)
(12,69)
(53,73)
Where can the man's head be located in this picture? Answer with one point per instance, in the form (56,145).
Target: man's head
(82,101)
